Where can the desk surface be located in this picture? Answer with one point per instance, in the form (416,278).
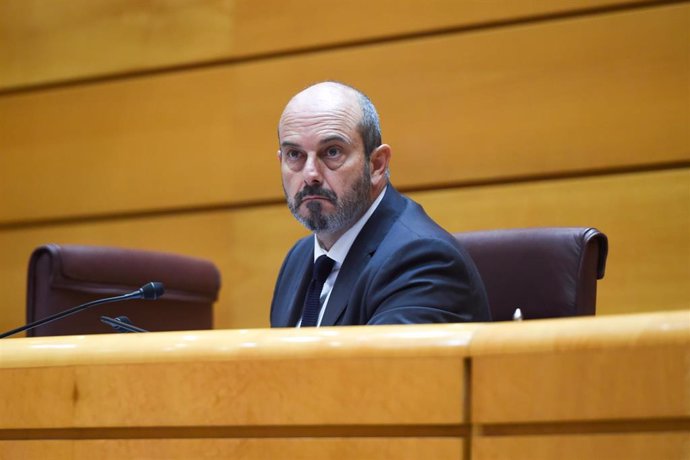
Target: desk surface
(409,340)
(577,385)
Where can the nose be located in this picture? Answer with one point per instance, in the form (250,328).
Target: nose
(312,170)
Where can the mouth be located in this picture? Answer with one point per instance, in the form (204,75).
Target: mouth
(307,199)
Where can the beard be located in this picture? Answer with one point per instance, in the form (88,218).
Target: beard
(348,208)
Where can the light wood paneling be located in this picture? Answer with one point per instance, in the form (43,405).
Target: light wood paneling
(262,392)
(58,40)
(537,99)
(240,345)
(336,388)
(237,449)
(71,39)
(238,394)
(646,216)
(550,372)
(612,333)
(606,389)
(629,446)
(538,387)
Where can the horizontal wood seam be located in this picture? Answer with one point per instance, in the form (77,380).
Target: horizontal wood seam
(13,225)
(586,427)
(361,431)
(193,432)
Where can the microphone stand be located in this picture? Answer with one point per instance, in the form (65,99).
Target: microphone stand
(121,324)
(150,291)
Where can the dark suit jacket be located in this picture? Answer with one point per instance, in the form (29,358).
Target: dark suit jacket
(402,268)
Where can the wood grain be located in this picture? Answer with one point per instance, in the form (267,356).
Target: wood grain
(237,449)
(579,386)
(554,98)
(449,340)
(249,393)
(547,372)
(536,389)
(67,40)
(630,446)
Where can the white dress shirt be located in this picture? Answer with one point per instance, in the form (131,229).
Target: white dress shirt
(338,252)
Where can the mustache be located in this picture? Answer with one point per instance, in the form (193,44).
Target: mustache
(315,190)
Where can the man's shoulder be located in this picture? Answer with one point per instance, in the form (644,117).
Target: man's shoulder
(415,223)
(301,247)
(400,221)
(296,260)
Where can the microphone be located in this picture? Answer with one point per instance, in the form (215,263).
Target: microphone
(121,324)
(149,291)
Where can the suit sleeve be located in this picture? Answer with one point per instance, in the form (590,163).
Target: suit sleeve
(427,281)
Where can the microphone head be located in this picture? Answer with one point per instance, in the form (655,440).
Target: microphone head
(152,290)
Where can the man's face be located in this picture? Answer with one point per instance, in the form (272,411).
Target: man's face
(326,179)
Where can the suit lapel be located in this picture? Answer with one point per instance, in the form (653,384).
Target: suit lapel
(364,247)
(298,283)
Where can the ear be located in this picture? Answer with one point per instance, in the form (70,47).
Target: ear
(278,155)
(380,158)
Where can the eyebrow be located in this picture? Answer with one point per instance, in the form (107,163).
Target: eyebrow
(327,140)
(336,138)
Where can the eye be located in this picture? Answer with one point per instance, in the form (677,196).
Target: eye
(293,155)
(333,156)
(332,152)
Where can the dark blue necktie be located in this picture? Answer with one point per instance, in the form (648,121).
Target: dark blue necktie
(312,303)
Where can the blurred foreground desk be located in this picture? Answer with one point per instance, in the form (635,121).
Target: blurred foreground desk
(606,387)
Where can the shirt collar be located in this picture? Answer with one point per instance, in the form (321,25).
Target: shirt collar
(340,248)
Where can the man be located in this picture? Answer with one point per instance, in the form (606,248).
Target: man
(375,257)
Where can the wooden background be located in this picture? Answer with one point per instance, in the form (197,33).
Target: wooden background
(153,125)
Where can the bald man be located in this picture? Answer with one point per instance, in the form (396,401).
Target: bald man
(375,257)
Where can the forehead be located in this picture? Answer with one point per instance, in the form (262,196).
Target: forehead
(319,114)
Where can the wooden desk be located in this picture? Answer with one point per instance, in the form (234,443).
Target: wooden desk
(606,387)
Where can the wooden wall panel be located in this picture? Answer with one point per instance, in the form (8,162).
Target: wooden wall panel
(243,392)
(52,41)
(597,92)
(630,446)
(238,449)
(246,394)
(536,387)
(68,39)
(564,392)
(228,400)
(645,215)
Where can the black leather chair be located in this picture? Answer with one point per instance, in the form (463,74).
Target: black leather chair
(546,272)
(63,276)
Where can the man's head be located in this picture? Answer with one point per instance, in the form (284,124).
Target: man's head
(332,161)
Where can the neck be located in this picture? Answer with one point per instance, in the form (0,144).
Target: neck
(327,240)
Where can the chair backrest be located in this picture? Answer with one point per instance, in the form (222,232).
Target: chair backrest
(64,276)
(546,272)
